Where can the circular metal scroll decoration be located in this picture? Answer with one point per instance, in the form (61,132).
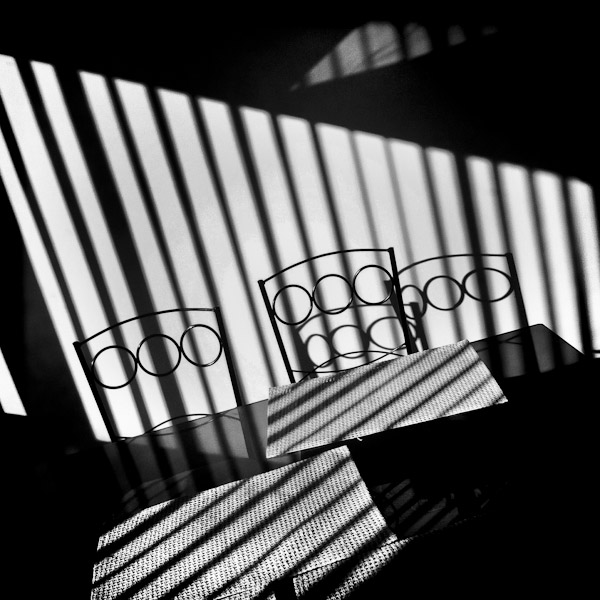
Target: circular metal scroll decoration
(331,311)
(389,294)
(458,285)
(114,387)
(205,364)
(310,299)
(471,295)
(158,335)
(318,357)
(363,337)
(394,328)
(422,306)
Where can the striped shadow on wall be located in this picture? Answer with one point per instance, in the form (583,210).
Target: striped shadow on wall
(131,200)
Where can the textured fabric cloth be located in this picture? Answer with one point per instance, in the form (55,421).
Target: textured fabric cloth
(403,391)
(236,539)
(348,574)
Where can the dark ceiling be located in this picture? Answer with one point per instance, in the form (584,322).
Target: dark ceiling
(530,84)
(279,50)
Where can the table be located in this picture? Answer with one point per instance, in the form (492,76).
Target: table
(379,396)
(117,480)
(218,449)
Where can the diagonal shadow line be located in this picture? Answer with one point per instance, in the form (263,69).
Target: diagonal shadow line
(216,180)
(64,181)
(257,190)
(540,242)
(577,261)
(403,510)
(399,205)
(173,399)
(339,572)
(470,218)
(172,507)
(76,212)
(167,144)
(364,192)
(291,186)
(346,433)
(323,407)
(308,250)
(275,434)
(239,513)
(369,544)
(424,403)
(185,202)
(169,509)
(175,169)
(196,474)
(343,526)
(432,194)
(369,213)
(329,196)
(434,519)
(473,391)
(49,246)
(340,395)
(152,322)
(324,381)
(500,196)
(29,193)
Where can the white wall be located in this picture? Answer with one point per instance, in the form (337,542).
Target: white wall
(374,193)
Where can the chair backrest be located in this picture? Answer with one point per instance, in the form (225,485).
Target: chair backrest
(336,311)
(462,296)
(158,367)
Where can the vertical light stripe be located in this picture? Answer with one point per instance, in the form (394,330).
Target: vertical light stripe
(416,202)
(345,187)
(559,255)
(488,221)
(50,199)
(85,193)
(53,209)
(98,231)
(383,43)
(380,191)
(230,163)
(257,262)
(211,224)
(151,259)
(10,400)
(46,279)
(351,54)
(312,198)
(449,200)
(274,188)
(173,221)
(148,250)
(487,205)
(522,226)
(582,205)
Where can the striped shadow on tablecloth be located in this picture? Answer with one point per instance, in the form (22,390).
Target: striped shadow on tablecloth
(410,389)
(236,539)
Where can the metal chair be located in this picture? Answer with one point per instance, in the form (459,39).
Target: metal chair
(153,369)
(480,293)
(337,310)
